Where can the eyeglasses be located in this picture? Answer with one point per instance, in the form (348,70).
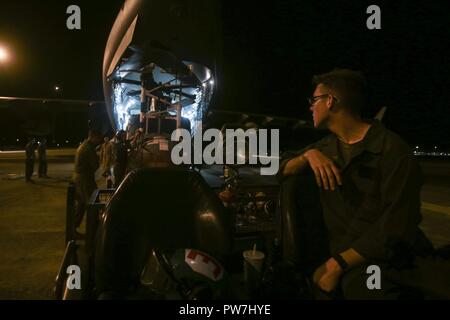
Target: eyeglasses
(313,100)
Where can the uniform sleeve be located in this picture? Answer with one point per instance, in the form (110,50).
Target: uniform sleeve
(108,155)
(288,155)
(92,160)
(102,155)
(398,223)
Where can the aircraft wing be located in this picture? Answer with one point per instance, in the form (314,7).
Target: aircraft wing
(263,120)
(5,100)
(38,116)
(258,120)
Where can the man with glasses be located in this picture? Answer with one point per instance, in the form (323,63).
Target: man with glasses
(369,190)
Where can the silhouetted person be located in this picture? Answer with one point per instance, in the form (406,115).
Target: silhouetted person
(42,157)
(29,159)
(86,164)
(120,157)
(106,158)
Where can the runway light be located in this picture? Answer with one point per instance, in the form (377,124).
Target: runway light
(4,56)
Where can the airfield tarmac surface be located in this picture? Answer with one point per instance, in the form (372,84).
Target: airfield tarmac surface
(32,220)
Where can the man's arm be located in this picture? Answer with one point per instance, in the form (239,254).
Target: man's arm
(295,165)
(325,171)
(327,275)
(352,258)
(92,161)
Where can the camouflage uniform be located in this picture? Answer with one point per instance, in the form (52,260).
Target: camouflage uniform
(106,157)
(86,164)
(120,151)
(30,157)
(42,157)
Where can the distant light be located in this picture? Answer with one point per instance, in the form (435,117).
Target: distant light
(435,147)
(57,88)
(57,145)
(417,147)
(67,141)
(17,140)
(204,84)
(211,82)
(4,56)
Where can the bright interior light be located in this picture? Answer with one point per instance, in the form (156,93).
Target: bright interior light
(124,107)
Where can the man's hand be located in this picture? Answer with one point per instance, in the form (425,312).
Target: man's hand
(327,276)
(325,171)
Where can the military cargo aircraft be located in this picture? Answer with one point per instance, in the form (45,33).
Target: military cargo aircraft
(171,231)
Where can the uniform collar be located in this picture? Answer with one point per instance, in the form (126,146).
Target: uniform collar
(372,142)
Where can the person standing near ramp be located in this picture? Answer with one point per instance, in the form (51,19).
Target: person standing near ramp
(86,164)
(120,157)
(29,160)
(106,158)
(42,157)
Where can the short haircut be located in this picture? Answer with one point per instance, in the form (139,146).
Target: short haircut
(350,86)
(95,132)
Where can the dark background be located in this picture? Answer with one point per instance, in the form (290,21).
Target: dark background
(271,51)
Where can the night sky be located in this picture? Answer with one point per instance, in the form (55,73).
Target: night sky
(271,51)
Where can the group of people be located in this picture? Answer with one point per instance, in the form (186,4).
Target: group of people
(113,158)
(30,157)
(112,161)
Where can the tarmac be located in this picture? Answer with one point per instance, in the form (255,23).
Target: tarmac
(32,220)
